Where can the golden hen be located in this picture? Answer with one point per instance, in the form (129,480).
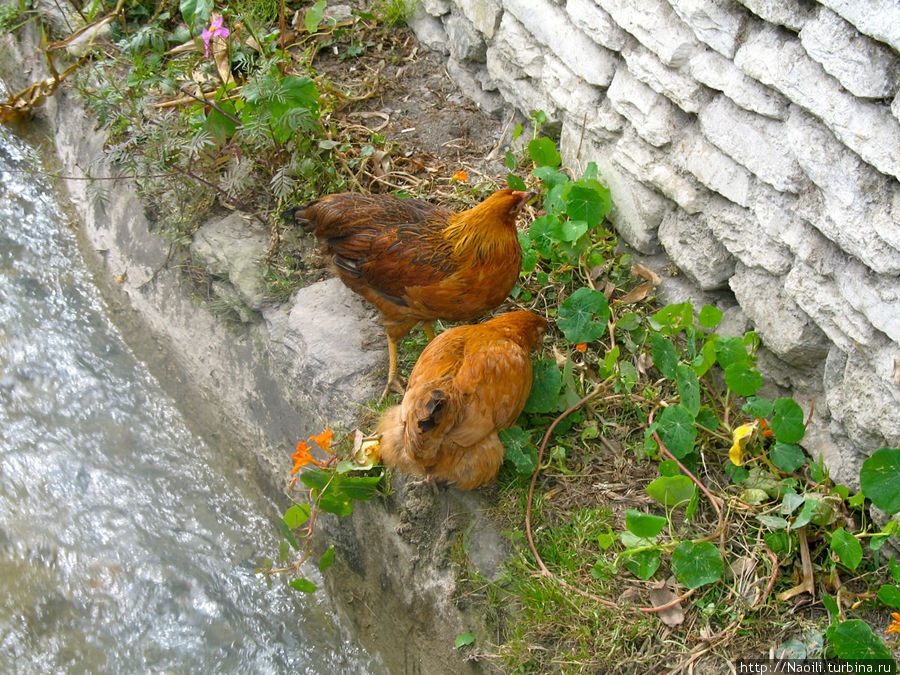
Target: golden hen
(416,261)
(469,383)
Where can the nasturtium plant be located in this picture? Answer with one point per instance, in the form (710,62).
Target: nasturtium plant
(583,316)
(697,564)
(879,478)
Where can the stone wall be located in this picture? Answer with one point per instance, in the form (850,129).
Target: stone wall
(756,142)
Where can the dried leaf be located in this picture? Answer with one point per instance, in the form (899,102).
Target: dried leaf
(219,50)
(672,616)
(636,294)
(645,272)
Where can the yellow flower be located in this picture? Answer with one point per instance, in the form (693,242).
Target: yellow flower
(742,437)
(895,624)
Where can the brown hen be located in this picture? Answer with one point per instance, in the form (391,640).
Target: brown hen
(416,261)
(469,383)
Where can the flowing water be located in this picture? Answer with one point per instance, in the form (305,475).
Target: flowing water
(127,543)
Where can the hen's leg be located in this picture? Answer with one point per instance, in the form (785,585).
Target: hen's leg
(394,382)
(428,327)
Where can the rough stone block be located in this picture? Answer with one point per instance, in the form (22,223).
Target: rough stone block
(856,207)
(550,25)
(783,327)
(429,30)
(779,60)
(463,40)
(655,25)
(570,92)
(718,24)
(876,296)
(436,7)
(791,14)
(864,67)
(881,20)
(597,24)
(696,250)
(820,297)
(488,100)
(680,88)
(712,167)
(755,142)
(654,117)
(741,233)
(717,72)
(484,14)
(895,106)
(652,167)
(517,87)
(866,405)
(637,210)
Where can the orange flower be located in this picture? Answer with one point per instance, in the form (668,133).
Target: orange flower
(302,457)
(461,176)
(323,440)
(766,431)
(895,624)
(581,346)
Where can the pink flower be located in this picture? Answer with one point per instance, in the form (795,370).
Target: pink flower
(215,30)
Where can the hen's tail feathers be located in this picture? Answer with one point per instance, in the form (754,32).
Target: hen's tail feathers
(433,411)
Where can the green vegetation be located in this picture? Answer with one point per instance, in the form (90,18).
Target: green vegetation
(660,507)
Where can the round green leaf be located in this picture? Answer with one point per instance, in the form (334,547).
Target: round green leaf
(541,233)
(788,457)
(644,524)
(512,180)
(297,515)
(545,387)
(677,430)
(672,490)
(327,559)
(583,315)
(663,353)
(587,202)
(543,152)
(730,350)
(464,639)
(697,564)
(570,230)
(642,564)
(518,450)
(847,548)
(688,388)
(709,316)
(889,595)
(742,380)
(787,424)
(854,639)
(758,407)
(880,478)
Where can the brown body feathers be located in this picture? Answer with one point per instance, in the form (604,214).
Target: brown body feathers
(469,383)
(416,261)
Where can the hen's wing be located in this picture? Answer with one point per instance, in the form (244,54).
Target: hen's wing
(383,242)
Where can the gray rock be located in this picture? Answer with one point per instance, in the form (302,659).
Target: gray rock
(718,24)
(436,7)
(756,142)
(864,67)
(655,25)
(717,72)
(783,327)
(652,167)
(654,117)
(696,250)
(791,14)
(231,248)
(484,14)
(739,231)
(881,20)
(779,61)
(489,101)
(712,167)
(429,30)
(551,27)
(597,24)
(464,41)
(677,86)
(856,207)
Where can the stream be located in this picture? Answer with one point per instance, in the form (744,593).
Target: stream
(127,542)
